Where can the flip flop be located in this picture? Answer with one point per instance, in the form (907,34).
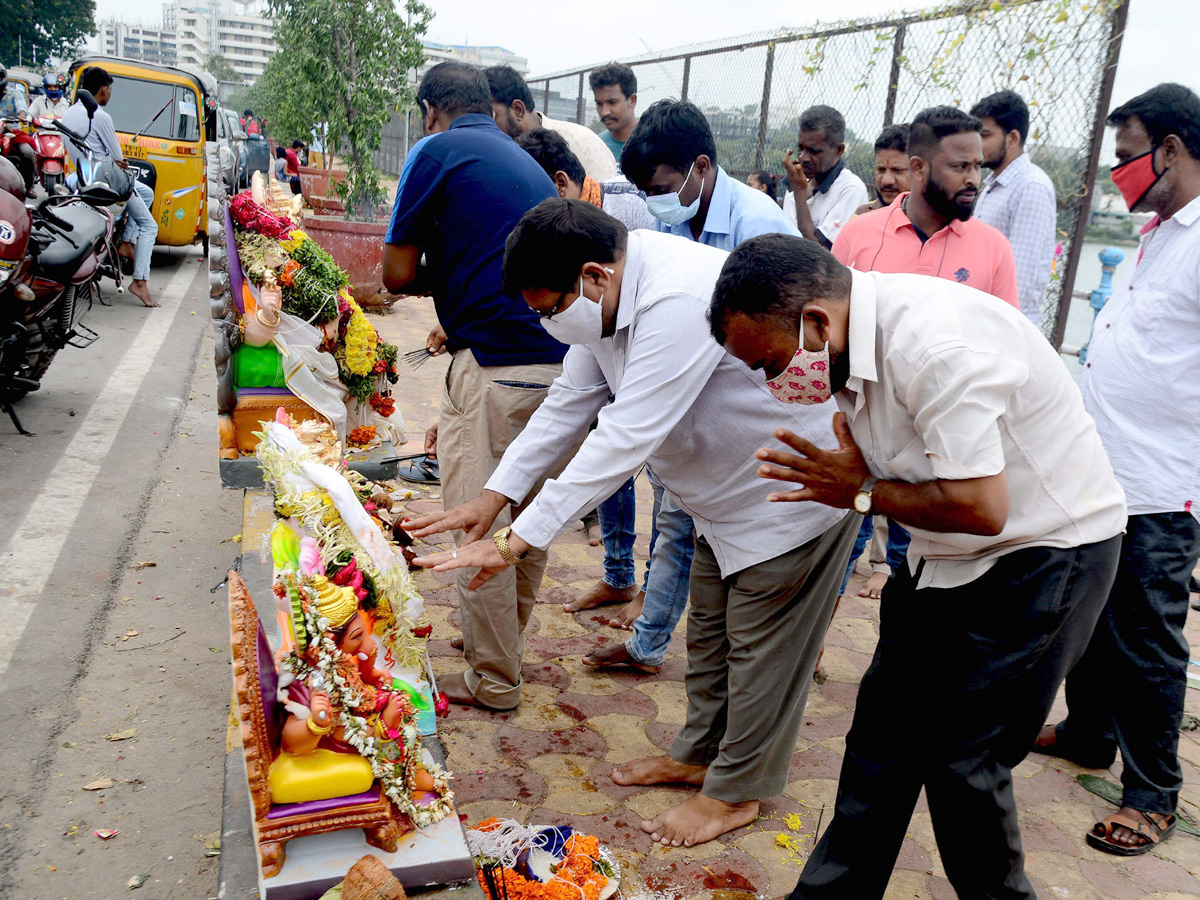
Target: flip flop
(421,470)
(1154,833)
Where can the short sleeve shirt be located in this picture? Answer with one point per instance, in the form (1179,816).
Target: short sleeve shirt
(736,213)
(969,252)
(460,195)
(617,147)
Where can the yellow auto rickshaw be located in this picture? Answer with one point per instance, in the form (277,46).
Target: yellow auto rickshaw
(162,116)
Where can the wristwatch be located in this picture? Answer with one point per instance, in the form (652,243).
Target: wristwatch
(500,539)
(863,500)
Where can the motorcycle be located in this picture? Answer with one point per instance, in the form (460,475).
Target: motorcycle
(13,135)
(48,264)
(51,155)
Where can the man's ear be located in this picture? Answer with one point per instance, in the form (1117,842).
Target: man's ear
(840,149)
(518,109)
(1172,147)
(704,165)
(633,100)
(1013,139)
(918,168)
(561,181)
(816,317)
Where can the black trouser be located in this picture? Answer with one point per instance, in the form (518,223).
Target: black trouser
(961,681)
(1128,690)
(24,157)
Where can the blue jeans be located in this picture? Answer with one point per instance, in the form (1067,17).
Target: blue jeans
(1127,692)
(672,544)
(618,533)
(897,547)
(141,229)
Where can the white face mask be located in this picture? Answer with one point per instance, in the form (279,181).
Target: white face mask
(580,323)
(667,208)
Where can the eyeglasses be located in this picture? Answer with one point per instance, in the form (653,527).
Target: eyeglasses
(554,310)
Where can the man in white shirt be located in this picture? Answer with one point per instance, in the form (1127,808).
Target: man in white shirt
(1141,383)
(764,576)
(50,104)
(825,194)
(1018,197)
(959,421)
(513,104)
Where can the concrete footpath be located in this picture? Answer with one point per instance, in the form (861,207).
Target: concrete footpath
(549,760)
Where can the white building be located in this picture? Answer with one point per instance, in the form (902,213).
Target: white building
(152,45)
(233,29)
(483,57)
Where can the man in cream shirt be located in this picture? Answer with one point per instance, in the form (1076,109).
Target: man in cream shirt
(764,576)
(958,420)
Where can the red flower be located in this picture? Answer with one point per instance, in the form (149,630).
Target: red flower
(385,406)
(423,632)
(442,707)
(250,215)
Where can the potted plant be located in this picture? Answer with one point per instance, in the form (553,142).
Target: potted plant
(346,63)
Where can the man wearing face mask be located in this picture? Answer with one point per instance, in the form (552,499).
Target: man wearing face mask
(764,576)
(959,420)
(671,156)
(930,229)
(1128,690)
(463,188)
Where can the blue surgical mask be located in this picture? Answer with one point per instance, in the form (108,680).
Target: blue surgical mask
(667,208)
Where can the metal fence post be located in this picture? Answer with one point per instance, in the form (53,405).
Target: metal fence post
(889,110)
(1075,250)
(761,142)
(687,76)
(546,98)
(579,103)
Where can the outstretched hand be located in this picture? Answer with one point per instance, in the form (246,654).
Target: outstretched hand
(474,518)
(831,477)
(482,555)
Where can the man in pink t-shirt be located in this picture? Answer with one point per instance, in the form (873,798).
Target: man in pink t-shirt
(930,230)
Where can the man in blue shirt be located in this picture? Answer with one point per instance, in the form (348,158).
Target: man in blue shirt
(463,189)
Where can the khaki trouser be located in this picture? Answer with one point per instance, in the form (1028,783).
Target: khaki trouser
(753,640)
(483,410)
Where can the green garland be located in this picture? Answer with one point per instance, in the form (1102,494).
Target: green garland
(312,295)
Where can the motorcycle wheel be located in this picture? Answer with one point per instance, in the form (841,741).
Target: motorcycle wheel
(52,182)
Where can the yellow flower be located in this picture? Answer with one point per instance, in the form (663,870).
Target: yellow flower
(793,821)
(295,239)
(361,341)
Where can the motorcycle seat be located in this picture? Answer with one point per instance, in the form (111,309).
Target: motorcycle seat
(60,259)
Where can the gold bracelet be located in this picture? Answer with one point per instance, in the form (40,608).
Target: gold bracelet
(258,315)
(318,730)
(500,539)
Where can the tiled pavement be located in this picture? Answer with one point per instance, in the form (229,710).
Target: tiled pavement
(549,760)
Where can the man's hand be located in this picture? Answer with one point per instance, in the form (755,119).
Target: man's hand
(831,477)
(436,342)
(474,518)
(123,163)
(482,555)
(795,175)
(431,441)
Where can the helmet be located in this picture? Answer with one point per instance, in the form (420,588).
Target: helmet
(11,180)
(52,84)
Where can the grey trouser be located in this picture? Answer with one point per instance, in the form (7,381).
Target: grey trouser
(753,640)
(483,411)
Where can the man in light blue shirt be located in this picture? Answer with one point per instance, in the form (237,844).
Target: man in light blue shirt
(672,157)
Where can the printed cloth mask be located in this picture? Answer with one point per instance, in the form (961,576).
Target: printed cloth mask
(667,208)
(806,379)
(1136,176)
(580,323)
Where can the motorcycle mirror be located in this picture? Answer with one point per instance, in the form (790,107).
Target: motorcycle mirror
(88,101)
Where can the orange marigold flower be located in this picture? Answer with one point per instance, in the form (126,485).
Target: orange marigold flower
(487,825)
(287,274)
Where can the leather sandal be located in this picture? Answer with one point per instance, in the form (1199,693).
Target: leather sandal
(1155,833)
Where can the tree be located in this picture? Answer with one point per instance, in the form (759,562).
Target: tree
(222,69)
(34,31)
(351,58)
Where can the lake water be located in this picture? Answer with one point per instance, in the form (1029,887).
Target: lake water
(1087,278)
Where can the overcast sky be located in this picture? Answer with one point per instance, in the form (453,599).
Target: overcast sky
(1159,41)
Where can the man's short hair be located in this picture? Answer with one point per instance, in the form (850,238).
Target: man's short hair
(893,137)
(775,276)
(1008,109)
(94,78)
(827,120)
(552,152)
(614,73)
(456,89)
(671,133)
(507,85)
(297,144)
(1164,110)
(930,126)
(554,240)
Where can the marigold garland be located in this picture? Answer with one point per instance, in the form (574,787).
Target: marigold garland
(360,342)
(362,435)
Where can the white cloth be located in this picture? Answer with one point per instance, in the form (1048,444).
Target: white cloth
(310,373)
(833,208)
(1141,381)
(43,107)
(622,200)
(586,144)
(695,414)
(1021,203)
(947,383)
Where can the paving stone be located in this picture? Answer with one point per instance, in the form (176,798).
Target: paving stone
(522,746)
(547,674)
(661,734)
(844,666)
(815,762)
(669,699)
(1158,874)
(782,866)
(649,804)
(519,783)
(470,746)
(625,737)
(1061,875)
(820,706)
(813,794)
(731,873)
(538,710)
(920,831)
(836,743)
(908,885)
(1110,879)
(860,632)
(502,809)
(555,622)
(586,706)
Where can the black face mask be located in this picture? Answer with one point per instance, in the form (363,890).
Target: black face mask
(944,205)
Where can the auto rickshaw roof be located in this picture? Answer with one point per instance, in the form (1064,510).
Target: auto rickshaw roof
(196,77)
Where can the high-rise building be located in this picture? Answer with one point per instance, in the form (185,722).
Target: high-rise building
(153,45)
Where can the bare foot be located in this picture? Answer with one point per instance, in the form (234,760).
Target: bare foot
(1048,744)
(658,770)
(601,594)
(595,536)
(140,290)
(126,250)
(629,613)
(874,586)
(699,819)
(617,655)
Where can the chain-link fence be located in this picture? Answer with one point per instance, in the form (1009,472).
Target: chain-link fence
(1060,55)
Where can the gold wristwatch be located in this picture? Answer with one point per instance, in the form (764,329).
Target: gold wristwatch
(500,539)
(863,501)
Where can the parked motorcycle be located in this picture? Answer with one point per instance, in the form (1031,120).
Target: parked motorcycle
(51,155)
(49,264)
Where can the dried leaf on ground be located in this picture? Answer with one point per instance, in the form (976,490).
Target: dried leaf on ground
(123,735)
(136,882)
(101,784)
(145,565)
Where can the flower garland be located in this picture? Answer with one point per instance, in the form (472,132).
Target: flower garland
(361,339)
(258,218)
(580,873)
